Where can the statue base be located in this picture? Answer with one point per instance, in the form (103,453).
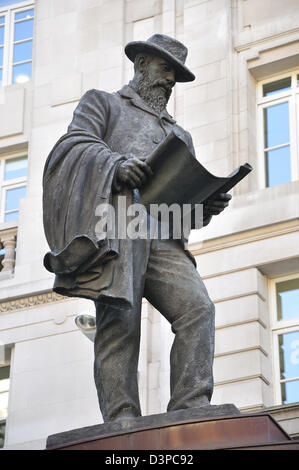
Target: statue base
(207,428)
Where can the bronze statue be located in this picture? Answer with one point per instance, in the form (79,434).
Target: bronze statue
(103,155)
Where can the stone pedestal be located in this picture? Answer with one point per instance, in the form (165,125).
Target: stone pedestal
(206,428)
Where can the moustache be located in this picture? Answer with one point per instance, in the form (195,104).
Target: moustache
(167,85)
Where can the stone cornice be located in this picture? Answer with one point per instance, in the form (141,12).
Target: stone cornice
(30,301)
(285,37)
(245,237)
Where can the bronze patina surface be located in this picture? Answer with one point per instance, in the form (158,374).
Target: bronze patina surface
(101,157)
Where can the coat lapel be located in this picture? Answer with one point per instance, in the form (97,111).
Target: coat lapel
(165,115)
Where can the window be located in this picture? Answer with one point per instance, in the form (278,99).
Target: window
(278,101)
(13,175)
(16,41)
(2,254)
(4,390)
(285,325)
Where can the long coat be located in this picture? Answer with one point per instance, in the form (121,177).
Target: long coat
(79,175)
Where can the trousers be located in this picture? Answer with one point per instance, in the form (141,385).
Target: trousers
(168,279)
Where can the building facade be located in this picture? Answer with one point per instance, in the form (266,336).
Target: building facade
(242,107)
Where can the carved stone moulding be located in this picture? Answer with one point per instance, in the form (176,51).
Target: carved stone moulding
(30,301)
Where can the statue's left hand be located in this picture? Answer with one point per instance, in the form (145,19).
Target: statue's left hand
(215,207)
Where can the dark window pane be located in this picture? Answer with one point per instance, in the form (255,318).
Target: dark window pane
(276,122)
(1,56)
(24,14)
(1,35)
(277,87)
(22,51)
(2,19)
(278,166)
(298,80)
(287,298)
(13,197)
(2,434)
(290,392)
(4,371)
(23,30)
(15,168)
(21,73)
(1,259)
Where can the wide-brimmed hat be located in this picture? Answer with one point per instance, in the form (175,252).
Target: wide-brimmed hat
(163,46)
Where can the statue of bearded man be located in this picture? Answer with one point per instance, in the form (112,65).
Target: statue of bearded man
(103,155)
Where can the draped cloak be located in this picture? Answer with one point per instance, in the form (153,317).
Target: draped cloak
(79,175)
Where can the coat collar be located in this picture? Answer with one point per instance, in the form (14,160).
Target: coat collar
(128,92)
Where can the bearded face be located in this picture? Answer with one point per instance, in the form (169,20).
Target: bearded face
(155,83)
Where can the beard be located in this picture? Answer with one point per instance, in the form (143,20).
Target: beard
(155,93)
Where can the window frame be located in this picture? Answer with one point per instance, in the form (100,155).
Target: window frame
(10,184)
(8,50)
(5,47)
(279,327)
(292,97)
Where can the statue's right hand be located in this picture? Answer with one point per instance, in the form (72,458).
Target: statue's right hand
(134,172)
